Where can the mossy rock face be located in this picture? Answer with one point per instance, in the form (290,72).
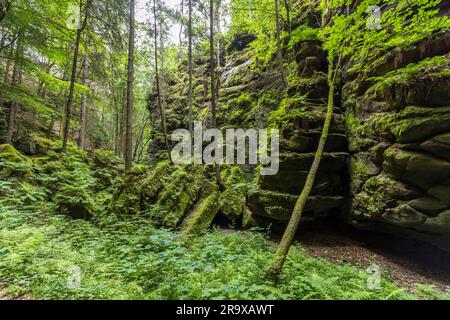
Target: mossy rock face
(441,192)
(292,182)
(240,42)
(311,48)
(308,142)
(155,181)
(178,197)
(438,145)
(413,124)
(362,167)
(404,215)
(428,205)
(13,163)
(418,169)
(11,154)
(127,196)
(315,87)
(279,206)
(232,204)
(431,92)
(331,162)
(203,214)
(439,224)
(378,194)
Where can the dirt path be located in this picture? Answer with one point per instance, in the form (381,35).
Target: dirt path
(406,263)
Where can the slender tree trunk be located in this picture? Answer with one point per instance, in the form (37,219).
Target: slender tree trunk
(7,71)
(213,84)
(158,87)
(140,138)
(288,15)
(6,77)
(279,52)
(13,105)
(122,123)
(180,35)
(217,19)
(288,236)
(73,76)
(130,100)
(191,121)
(84,104)
(4,8)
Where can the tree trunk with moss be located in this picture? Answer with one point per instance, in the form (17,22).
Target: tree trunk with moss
(288,236)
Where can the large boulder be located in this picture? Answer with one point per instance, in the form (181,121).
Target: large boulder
(416,168)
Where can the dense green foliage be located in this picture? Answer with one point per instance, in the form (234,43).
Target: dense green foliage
(146,234)
(127,257)
(130,259)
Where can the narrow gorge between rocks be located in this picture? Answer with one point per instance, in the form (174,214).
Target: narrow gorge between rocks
(113,204)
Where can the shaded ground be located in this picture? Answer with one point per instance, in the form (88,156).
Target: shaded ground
(407,263)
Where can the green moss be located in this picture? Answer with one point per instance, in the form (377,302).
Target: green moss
(203,215)
(179,196)
(359,134)
(435,67)
(9,153)
(412,123)
(378,194)
(304,33)
(13,163)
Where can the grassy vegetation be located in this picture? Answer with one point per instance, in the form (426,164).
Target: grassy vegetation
(130,259)
(123,255)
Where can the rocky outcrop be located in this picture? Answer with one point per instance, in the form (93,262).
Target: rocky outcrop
(300,117)
(399,137)
(387,160)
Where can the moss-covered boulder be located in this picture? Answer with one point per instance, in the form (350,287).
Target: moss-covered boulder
(178,197)
(439,224)
(202,215)
(13,163)
(279,206)
(416,168)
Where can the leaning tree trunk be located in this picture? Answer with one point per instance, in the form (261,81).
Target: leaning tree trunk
(129,106)
(73,76)
(158,88)
(84,104)
(288,236)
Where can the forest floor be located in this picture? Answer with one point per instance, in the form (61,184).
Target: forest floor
(406,264)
